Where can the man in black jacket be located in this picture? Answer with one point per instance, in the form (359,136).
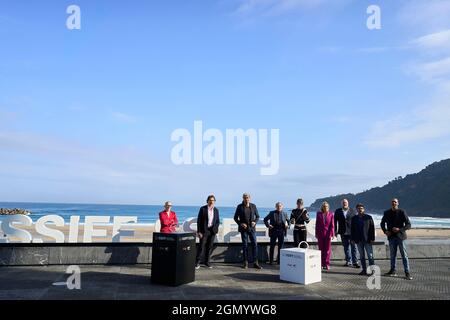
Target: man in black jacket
(247,216)
(342,226)
(208,222)
(277,222)
(394,224)
(363,235)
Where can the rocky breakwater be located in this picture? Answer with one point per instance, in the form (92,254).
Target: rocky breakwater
(8,212)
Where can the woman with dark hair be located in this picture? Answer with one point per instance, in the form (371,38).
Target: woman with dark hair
(300,218)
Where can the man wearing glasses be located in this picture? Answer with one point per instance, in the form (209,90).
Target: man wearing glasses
(394,224)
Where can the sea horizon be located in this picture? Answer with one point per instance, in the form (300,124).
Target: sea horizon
(148,214)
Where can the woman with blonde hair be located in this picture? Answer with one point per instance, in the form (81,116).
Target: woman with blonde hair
(324,233)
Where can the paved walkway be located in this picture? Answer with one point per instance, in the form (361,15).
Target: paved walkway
(224,282)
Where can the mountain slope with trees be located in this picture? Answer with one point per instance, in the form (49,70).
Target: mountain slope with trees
(426,193)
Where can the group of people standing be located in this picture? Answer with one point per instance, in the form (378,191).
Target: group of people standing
(356,229)
(357,232)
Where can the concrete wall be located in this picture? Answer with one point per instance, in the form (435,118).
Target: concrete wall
(141,253)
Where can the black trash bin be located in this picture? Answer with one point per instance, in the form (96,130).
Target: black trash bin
(173,258)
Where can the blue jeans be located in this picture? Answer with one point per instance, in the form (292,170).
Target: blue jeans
(395,243)
(364,247)
(351,254)
(245,236)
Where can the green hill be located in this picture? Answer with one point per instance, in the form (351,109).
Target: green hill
(426,193)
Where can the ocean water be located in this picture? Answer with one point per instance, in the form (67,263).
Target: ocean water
(149,213)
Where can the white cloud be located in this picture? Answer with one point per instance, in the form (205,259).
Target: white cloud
(341,119)
(280,7)
(425,123)
(429,121)
(433,72)
(428,15)
(123,117)
(67,153)
(373,49)
(437,40)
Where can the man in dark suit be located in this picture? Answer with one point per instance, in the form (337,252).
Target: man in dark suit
(277,221)
(394,224)
(247,216)
(208,222)
(342,226)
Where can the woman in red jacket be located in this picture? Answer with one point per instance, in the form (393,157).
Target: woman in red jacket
(168,218)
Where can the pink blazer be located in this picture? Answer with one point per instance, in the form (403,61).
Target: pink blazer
(324,229)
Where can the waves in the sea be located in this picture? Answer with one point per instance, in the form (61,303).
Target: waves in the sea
(149,213)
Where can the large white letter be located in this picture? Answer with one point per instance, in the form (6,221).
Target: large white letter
(74,20)
(118,231)
(73,230)
(374,281)
(183,148)
(374,21)
(89,231)
(272,160)
(213,153)
(52,233)
(198,142)
(10,231)
(240,136)
(74,281)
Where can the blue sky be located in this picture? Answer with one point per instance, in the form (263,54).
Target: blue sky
(86,115)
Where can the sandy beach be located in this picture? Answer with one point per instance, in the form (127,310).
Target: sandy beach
(143,233)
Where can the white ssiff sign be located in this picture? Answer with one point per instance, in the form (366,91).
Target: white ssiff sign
(18,227)
(10,227)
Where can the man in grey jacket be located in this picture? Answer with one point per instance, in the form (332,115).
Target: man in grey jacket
(277,222)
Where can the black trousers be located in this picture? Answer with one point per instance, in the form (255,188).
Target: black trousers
(299,236)
(205,247)
(273,240)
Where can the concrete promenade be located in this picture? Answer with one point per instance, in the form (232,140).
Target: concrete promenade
(224,282)
(29,254)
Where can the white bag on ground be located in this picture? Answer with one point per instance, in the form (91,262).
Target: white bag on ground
(300,265)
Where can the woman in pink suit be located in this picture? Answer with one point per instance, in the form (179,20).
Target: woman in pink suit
(324,233)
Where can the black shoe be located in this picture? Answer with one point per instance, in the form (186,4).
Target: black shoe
(208,265)
(408,276)
(257,266)
(363,273)
(356,265)
(197,266)
(347,264)
(270,263)
(391,273)
(245,265)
